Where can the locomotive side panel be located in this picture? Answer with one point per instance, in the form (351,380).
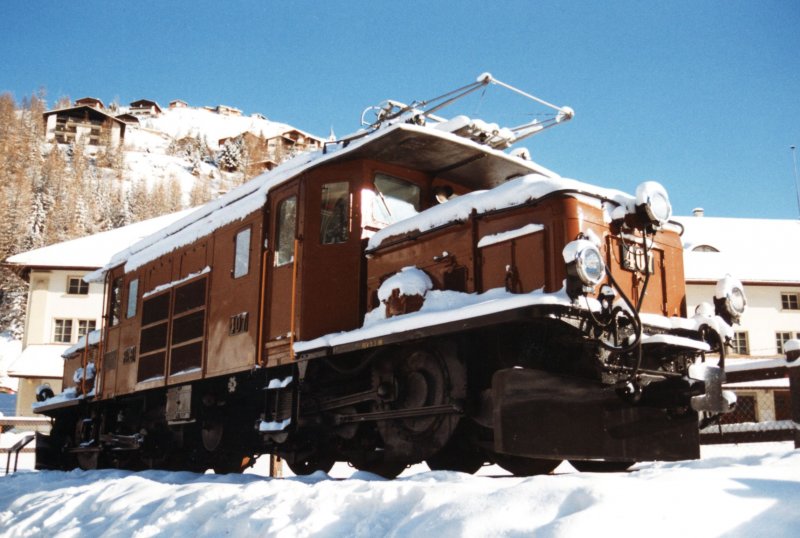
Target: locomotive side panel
(234,296)
(446,255)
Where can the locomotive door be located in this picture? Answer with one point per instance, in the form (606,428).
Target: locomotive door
(282,274)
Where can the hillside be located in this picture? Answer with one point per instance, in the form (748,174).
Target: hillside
(81,168)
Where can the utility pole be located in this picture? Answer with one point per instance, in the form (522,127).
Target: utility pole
(796,184)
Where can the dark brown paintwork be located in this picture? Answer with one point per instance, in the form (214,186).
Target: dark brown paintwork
(334,285)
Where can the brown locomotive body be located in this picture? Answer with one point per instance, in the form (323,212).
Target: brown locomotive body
(334,309)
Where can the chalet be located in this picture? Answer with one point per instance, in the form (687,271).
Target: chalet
(90,102)
(228,110)
(177,103)
(128,118)
(61,306)
(144,107)
(94,125)
(265,153)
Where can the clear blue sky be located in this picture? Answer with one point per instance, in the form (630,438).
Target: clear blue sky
(703,96)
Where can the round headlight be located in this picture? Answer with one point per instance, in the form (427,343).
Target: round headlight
(590,266)
(653,202)
(585,262)
(736,301)
(729,299)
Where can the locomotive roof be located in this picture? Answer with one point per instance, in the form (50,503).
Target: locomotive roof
(429,149)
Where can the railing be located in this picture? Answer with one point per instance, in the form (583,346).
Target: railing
(743,425)
(18,447)
(21,442)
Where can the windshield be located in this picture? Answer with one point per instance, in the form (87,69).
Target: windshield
(392,200)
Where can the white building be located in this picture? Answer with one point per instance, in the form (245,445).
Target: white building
(61,306)
(764,254)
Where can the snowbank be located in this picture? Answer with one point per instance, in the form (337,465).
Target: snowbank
(741,495)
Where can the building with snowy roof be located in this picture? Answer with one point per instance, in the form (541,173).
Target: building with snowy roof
(85,121)
(764,255)
(144,107)
(62,307)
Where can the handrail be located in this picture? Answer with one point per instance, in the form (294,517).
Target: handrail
(18,446)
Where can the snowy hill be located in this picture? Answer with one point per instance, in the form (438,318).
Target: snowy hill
(150,154)
(752,493)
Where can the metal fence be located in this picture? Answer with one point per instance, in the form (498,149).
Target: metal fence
(761,414)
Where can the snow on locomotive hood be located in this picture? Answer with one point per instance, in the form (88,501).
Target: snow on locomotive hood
(235,205)
(515,192)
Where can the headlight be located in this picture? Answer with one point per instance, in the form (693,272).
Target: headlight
(652,203)
(730,301)
(585,267)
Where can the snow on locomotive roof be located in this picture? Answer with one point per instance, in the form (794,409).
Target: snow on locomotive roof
(513,193)
(388,143)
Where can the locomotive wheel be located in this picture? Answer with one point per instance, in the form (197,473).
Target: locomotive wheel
(459,454)
(386,469)
(414,379)
(521,466)
(598,466)
(316,461)
(84,434)
(232,464)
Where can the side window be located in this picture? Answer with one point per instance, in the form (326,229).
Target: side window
(116,301)
(241,259)
(285,231)
(62,331)
(76,286)
(335,213)
(133,292)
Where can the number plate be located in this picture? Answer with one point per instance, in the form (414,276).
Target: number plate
(633,258)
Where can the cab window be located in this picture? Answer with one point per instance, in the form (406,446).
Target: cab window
(285,231)
(393,200)
(335,213)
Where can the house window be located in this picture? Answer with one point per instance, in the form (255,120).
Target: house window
(287,221)
(782,337)
(335,213)
(76,286)
(133,293)
(63,331)
(241,261)
(739,343)
(85,326)
(790,301)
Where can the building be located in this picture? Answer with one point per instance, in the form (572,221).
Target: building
(764,255)
(226,110)
(265,153)
(61,306)
(95,126)
(145,108)
(93,102)
(177,103)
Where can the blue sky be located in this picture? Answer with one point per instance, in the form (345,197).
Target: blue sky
(703,96)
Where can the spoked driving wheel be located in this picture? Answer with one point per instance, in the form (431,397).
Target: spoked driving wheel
(421,385)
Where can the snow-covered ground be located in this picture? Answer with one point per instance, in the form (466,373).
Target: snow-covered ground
(745,490)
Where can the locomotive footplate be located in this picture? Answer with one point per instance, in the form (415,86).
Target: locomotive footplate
(543,415)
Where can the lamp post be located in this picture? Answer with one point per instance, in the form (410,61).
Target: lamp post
(796,185)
